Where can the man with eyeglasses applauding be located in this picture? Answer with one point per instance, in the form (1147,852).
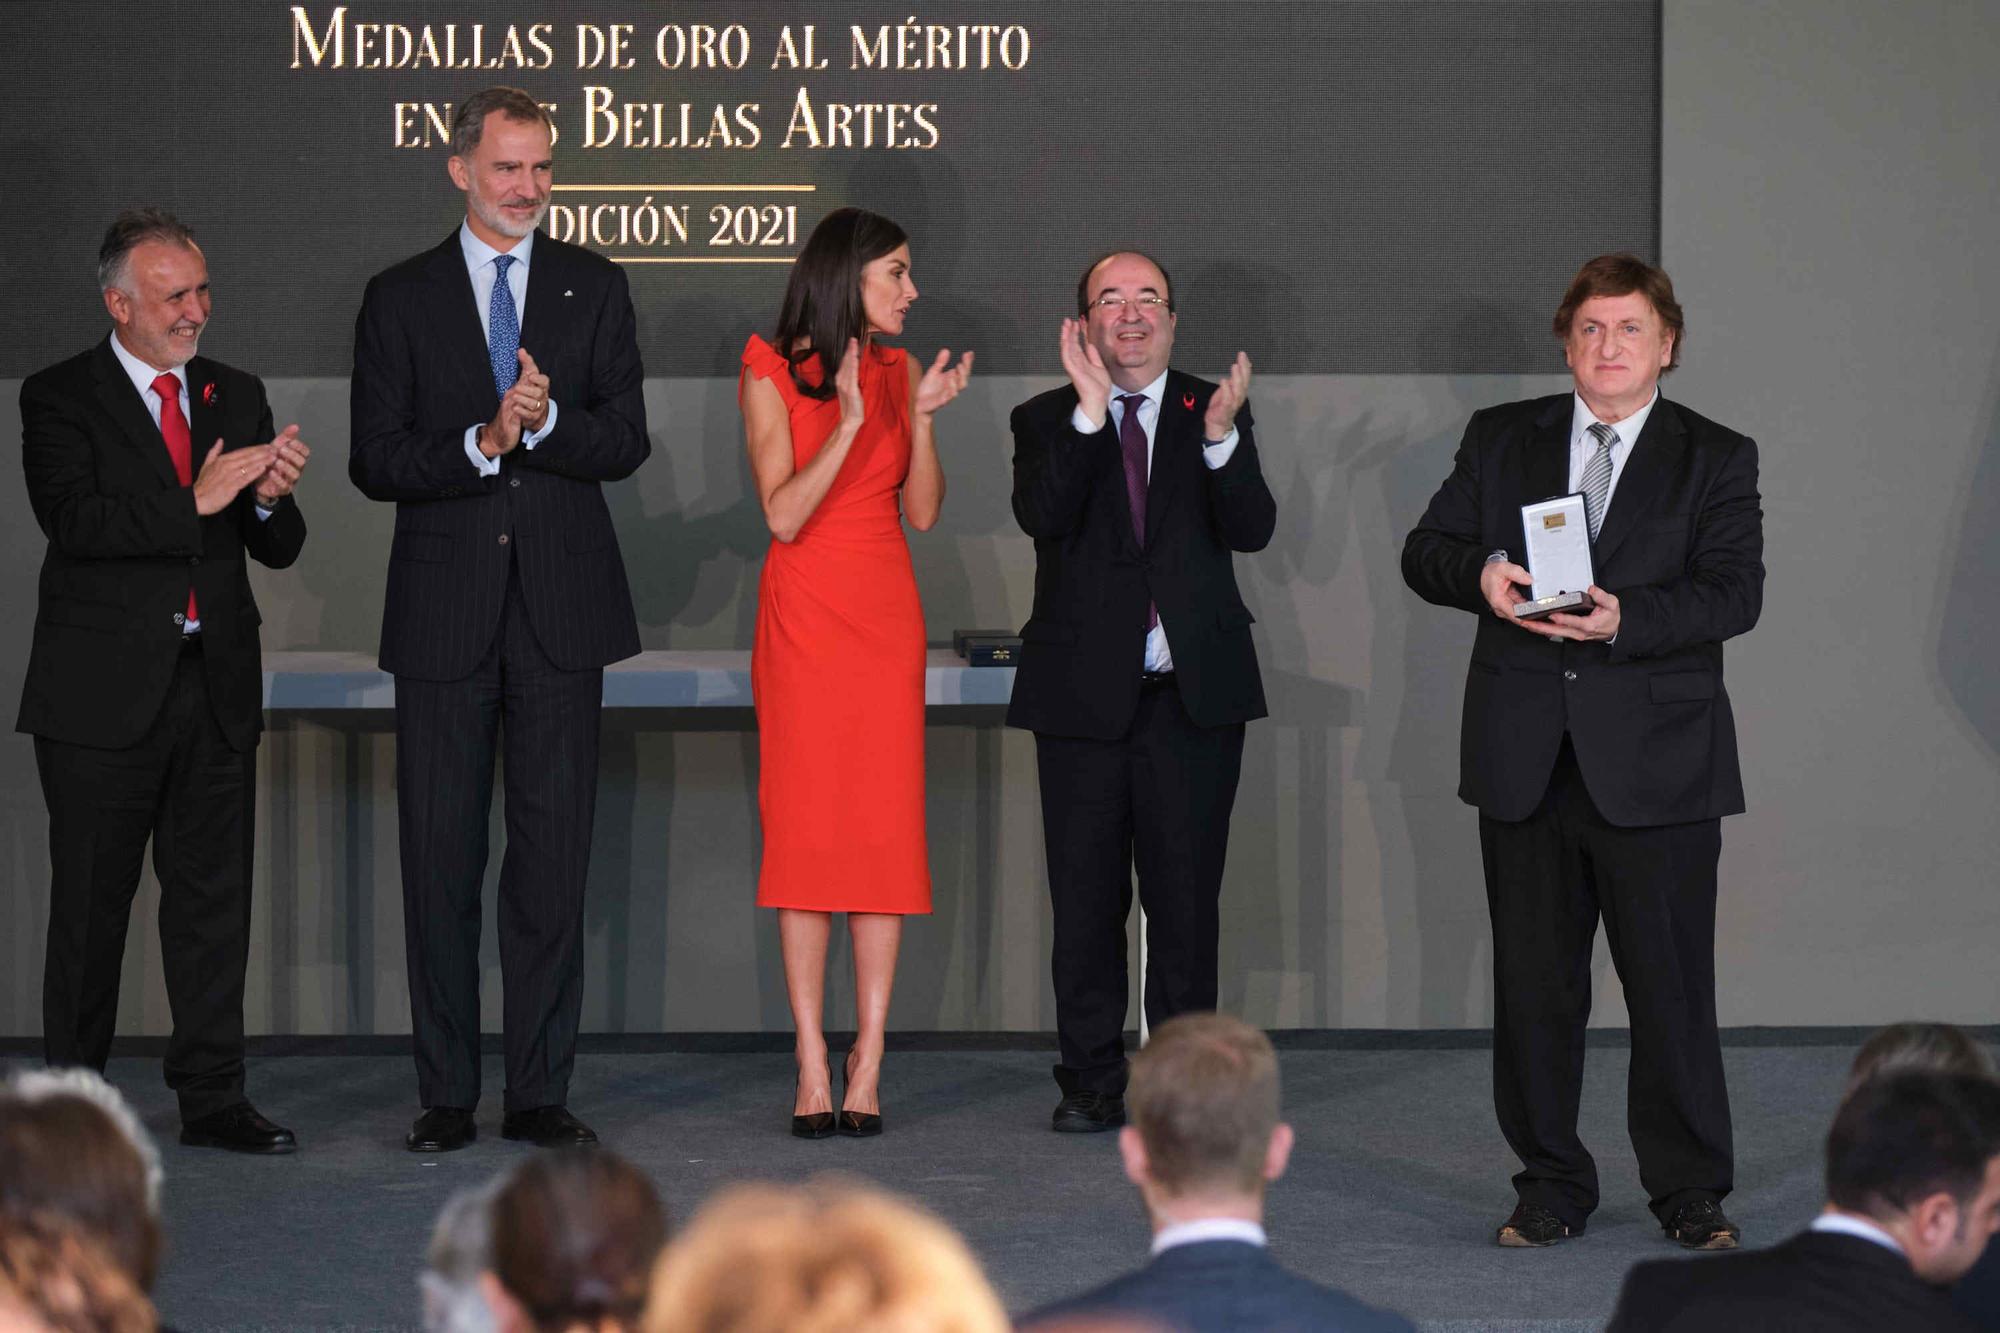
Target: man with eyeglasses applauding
(1137,672)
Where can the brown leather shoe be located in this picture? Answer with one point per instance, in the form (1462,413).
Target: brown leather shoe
(1533,1227)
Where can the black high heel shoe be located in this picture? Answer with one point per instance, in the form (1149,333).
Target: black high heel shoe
(814,1124)
(856,1124)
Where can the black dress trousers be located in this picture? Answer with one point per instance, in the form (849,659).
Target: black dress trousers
(1549,878)
(1157,800)
(543,722)
(186,790)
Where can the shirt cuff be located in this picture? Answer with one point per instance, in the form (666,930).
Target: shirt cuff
(1083,424)
(535,437)
(1215,455)
(262,513)
(488,467)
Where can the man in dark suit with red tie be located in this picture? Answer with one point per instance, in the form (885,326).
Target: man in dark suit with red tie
(496,386)
(1601,749)
(1137,673)
(155,474)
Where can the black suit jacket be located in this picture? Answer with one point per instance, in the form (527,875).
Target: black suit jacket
(1682,548)
(124,543)
(1225,1286)
(421,376)
(1084,646)
(1816,1280)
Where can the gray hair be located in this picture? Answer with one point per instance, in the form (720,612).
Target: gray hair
(461,1248)
(31,1086)
(132,229)
(468,123)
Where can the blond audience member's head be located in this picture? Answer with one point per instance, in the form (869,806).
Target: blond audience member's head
(829,1257)
(1203,1101)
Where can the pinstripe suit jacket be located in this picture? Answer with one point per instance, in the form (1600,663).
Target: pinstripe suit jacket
(421,376)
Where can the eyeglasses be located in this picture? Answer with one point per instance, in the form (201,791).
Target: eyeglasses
(1115,305)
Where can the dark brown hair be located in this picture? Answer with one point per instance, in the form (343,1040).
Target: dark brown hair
(1900,1138)
(575,1235)
(1904,1047)
(1083,279)
(1204,1096)
(1621,275)
(64,1156)
(468,122)
(822,306)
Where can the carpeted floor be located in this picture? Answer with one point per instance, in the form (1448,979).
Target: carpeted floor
(1398,1181)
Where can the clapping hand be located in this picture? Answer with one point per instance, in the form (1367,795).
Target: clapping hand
(224,475)
(1227,401)
(847,383)
(530,394)
(288,461)
(939,384)
(1085,368)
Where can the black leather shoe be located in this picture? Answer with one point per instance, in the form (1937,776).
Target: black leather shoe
(548,1127)
(1699,1225)
(813,1124)
(441,1129)
(238,1128)
(1532,1226)
(856,1124)
(1088,1113)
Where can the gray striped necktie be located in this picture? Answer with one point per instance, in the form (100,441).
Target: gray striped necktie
(1597,476)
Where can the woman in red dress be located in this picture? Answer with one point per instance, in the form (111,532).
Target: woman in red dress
(842,451)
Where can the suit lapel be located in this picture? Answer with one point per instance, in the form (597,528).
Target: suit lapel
(1174,438)
(1548,456)
(117,396)
(1655,455)
(542,320)
(204,421)
(461,337)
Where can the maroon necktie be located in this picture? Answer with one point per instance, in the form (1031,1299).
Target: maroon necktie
(1132,443)
(180,446)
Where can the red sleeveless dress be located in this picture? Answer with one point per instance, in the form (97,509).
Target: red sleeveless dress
(837,669)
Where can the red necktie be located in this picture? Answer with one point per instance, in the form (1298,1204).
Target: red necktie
(180,445)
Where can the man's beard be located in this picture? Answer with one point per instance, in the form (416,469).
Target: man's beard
(496,217)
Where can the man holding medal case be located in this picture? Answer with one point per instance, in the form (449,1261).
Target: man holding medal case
(1598,742)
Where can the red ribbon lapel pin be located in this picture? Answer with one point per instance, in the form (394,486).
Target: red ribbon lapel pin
(1187,401)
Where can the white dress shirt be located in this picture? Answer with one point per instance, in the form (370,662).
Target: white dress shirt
(479,266)
(1158,656)
(1582,444)
(1208,1228)
(1847,1224)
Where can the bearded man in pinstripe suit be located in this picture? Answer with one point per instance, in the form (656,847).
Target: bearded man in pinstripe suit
(496,388)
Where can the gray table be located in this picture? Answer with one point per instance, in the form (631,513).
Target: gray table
(699,678)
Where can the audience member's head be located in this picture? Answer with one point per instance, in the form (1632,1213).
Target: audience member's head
(71,1148)
(1937,1048)
(829,1257)
(573,1239)
(461,1249)
(54,1278)
(1919,1155)
(1204,1138)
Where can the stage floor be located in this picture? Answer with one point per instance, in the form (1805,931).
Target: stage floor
(1398,1181)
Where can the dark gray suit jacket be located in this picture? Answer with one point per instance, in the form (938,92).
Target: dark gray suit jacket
(1224,1286)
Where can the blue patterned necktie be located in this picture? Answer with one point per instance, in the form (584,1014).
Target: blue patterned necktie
(503,335)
